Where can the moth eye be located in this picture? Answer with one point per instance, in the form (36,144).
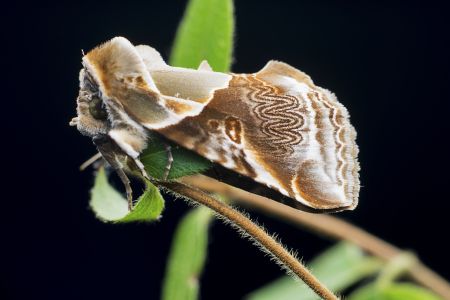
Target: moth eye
(96,109)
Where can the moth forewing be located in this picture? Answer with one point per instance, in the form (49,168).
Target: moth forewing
(274,126)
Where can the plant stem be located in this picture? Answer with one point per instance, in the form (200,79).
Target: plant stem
(327,225)
(395,268)
(255,232)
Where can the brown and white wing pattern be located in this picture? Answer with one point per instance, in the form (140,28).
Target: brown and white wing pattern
(278,128)
(122,72)
(141,91)
(274,126)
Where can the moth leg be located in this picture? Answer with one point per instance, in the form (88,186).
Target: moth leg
(141,168)
(126,182)
(169,162)
(114,156)
(90,161)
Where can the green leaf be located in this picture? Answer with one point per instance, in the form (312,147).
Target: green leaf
(187,256)
(109,205)
(184,163)
(396,267)
(338,268)
(206,32)
(394,291)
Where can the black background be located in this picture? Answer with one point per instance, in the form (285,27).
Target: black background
(388,63)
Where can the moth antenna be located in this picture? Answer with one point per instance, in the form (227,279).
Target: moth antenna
(90,161)
(82,52)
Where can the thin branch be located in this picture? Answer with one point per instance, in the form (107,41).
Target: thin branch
(327,226)
(255,232)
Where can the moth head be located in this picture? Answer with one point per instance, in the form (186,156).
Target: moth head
(92,114)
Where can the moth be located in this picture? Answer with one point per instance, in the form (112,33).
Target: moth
(274,126)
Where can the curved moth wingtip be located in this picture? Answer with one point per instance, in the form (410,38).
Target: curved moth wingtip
(151,57)
(279,68)
(313,188)
(119,39)
(114,42)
